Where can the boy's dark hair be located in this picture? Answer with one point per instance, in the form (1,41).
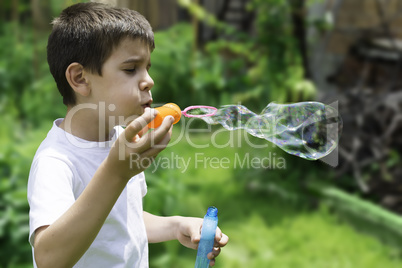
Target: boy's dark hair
(87,33)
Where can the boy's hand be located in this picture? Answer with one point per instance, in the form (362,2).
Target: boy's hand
(189,235)
(132,153)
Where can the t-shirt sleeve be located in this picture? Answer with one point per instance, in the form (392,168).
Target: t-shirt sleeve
(50,192)
(143,184)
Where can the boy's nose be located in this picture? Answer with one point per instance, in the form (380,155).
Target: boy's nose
(147,83)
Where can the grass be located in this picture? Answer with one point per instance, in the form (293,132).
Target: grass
(267,228)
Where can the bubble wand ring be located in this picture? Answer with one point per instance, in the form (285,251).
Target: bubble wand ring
(184,112)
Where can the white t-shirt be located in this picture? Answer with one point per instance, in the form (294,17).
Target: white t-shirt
(61,169)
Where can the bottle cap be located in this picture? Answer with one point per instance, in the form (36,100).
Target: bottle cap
(212,212)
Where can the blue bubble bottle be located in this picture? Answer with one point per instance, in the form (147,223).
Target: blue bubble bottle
(207,237)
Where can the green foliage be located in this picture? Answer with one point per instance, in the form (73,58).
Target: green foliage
(29,98)
(27,88)
(171,68)
(253,70)
(16,70)
(7,7)
(277,65)
(18,147)
(184,76)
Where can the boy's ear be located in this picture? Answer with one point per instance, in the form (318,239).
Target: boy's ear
(75,76)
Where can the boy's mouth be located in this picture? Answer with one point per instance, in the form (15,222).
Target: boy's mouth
(147,104)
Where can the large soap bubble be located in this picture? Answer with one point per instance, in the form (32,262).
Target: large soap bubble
(310,130)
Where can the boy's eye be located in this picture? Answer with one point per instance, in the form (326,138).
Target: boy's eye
(129,70)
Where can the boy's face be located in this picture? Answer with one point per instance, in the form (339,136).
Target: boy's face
(125,84)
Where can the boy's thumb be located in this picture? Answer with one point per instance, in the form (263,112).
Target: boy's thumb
(195,234)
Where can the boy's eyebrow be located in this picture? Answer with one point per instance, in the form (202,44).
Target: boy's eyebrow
(135,60)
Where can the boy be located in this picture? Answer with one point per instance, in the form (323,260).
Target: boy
(84,191)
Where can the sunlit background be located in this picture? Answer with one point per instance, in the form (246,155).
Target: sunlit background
(283,211)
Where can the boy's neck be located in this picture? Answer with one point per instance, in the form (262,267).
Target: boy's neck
(86,124)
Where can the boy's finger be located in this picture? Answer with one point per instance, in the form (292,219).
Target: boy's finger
(159,137)
(152,151)
(218,234)
(220,238)
(143,131)
(151,143)
(214,253)
(138,124)
(164,129)
(195,233)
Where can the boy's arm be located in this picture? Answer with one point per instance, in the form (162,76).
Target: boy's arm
(64,242)
(186,230)
(160,229)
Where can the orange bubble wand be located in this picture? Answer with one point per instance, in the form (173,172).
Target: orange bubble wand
(163,111)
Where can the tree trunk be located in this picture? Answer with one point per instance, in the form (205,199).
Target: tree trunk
(298,15)
(41,15)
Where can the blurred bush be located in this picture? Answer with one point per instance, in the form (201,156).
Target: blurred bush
(25,81)
(26,103)
(253,69)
